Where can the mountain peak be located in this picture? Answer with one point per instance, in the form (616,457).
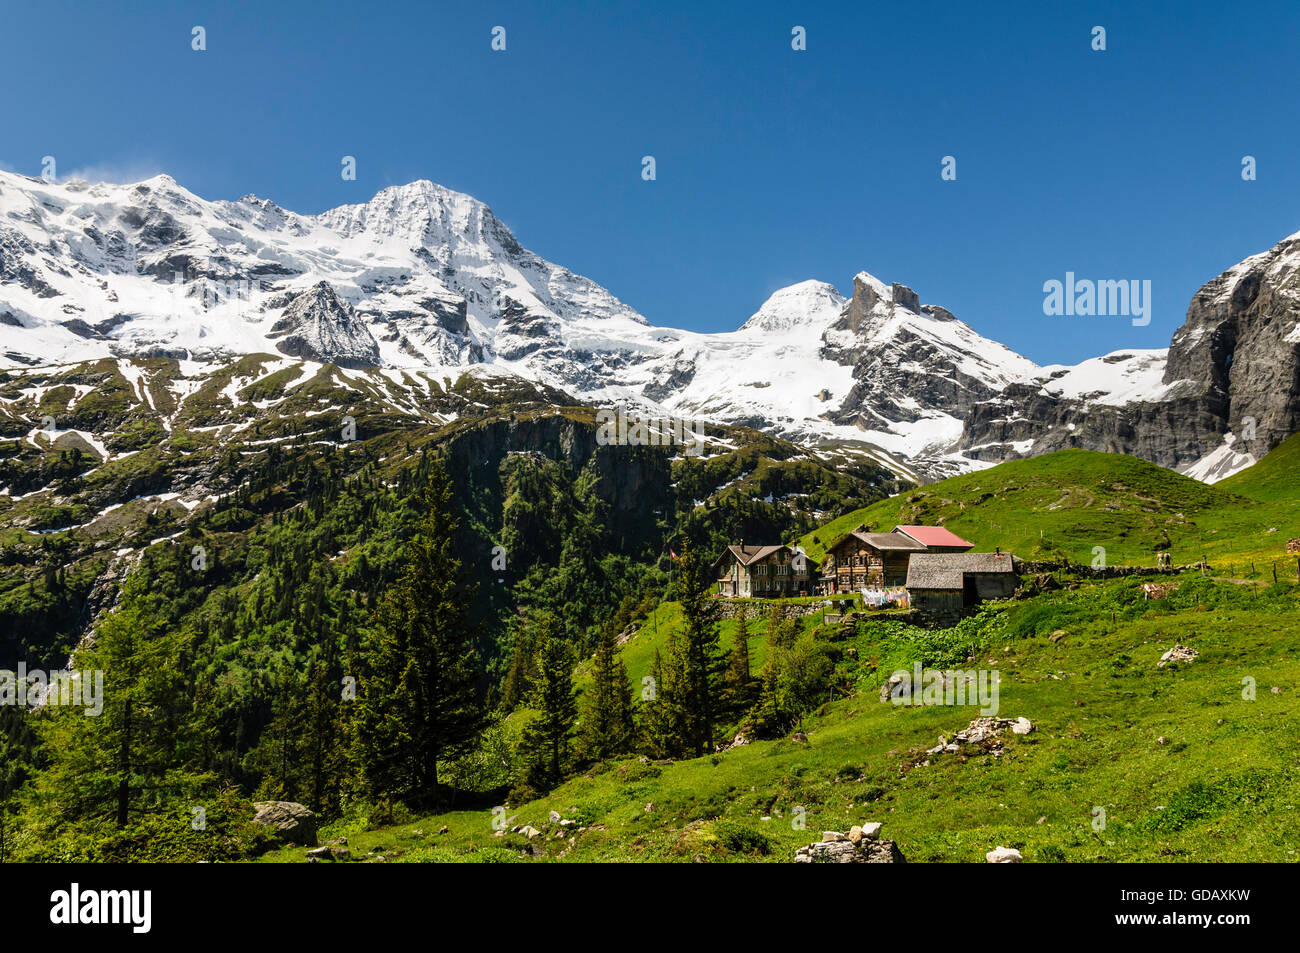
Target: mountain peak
(420,211)
(864,282)
(318,325)
(808,304)
(423,190)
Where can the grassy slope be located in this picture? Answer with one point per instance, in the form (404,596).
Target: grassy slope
(1273,478)
(1068,503)
(1222,787)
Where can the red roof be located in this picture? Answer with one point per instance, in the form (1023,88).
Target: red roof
(933,536)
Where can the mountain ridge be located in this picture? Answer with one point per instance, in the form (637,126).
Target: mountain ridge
(421,277)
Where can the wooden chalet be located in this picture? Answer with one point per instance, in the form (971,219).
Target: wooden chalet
(764,572)
(860,559)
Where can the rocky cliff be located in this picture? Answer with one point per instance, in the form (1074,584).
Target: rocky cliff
(1226,391)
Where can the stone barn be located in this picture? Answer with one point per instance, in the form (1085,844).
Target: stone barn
(942,586)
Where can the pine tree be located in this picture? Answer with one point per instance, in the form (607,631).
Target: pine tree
(519,677)
(278,755)
(17,763)
(771,716)
(419,702)
(126,760)
(699,657)
(739,679)
(782,630)
(325,734)
(662,717)
(547,737)
(624,710)
(607,722)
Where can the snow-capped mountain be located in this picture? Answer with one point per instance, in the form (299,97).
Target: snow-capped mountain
(433,275)
(916,371)
(424,278)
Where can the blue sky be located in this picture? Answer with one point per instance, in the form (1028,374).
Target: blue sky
(773,165)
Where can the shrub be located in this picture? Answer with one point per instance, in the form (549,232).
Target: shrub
(742,839)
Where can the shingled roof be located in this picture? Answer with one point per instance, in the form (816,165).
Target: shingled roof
(748,554)
(881,541)
(751,554)
(948,570)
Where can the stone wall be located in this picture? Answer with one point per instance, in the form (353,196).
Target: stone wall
(759,608)
(1107,572)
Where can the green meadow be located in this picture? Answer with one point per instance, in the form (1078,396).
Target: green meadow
(1065,505)
(1185,764)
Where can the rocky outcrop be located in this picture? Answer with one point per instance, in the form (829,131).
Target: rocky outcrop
(318,325)
(291,822)
(1241,344)
(1027,420)
(632,484)
(1228,391)
(104,594)
(862,845)
(1179,653)
(910,359)
(522,331)
(983,735)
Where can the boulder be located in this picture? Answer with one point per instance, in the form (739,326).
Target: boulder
(1044,582)
(1003,855)
(895,687)
(291,821)
(737,742)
